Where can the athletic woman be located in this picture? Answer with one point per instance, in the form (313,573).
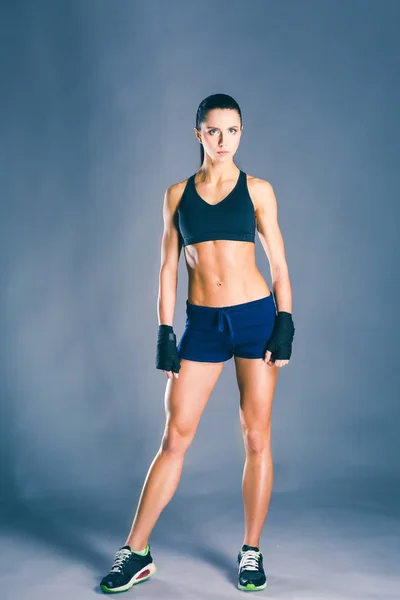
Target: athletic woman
(230,311)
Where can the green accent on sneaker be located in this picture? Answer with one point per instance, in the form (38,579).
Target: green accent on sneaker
(142,552)
(250,587)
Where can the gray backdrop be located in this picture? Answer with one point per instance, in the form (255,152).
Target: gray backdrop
(98,106)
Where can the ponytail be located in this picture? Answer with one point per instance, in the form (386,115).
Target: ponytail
(201,155)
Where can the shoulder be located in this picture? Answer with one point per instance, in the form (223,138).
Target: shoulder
(173,195)
(174,192)
(261,192)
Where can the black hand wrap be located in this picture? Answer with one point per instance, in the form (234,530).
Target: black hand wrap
(167,357)
(280,342)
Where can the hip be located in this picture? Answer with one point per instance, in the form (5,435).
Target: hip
(239,317)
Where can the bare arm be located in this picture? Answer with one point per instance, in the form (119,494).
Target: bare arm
(271,239)
(171,246)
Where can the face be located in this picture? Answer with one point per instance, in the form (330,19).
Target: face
(221,131)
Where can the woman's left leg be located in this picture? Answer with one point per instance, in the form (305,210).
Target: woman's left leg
(256,381)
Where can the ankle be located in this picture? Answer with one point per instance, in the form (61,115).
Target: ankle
(139,547)
(254,543)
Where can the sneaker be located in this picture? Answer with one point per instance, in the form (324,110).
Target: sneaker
(251,576)
(128,568)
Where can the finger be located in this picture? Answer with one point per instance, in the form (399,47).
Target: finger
(281,363)
(267,356)
(176,368)
(168,373)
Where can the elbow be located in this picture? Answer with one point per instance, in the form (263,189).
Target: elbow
(169,269)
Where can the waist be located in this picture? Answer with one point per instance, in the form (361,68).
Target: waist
(227,290)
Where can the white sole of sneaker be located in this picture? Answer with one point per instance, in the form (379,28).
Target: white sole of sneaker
(140,576)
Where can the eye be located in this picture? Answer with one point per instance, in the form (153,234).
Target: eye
(231,129)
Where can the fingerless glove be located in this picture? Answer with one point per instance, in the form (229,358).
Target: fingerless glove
(280,342)
(167,357)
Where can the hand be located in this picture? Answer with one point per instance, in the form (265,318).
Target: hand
(170,373)
(167,353)
(273,363)
(280,342)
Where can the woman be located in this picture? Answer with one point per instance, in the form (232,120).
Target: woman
(230,311)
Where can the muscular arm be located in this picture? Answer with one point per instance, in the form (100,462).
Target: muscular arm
(271,240)
(171,246)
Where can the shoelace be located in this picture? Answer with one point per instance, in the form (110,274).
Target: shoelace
(119,560)
(250,560)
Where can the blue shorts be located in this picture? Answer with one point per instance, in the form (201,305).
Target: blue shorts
(216,334)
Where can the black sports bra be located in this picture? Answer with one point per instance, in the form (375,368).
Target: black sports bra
(233,218)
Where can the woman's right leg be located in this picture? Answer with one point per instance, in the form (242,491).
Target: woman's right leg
(185,400)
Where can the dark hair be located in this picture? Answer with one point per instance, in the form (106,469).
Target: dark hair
(209,103)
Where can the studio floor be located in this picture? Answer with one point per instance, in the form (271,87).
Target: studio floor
(314,547)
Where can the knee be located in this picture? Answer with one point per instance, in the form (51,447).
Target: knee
(177,438)
(256,441)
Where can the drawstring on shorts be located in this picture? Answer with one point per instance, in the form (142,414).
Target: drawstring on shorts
(224,312)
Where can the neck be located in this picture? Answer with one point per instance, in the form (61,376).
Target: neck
(214,172)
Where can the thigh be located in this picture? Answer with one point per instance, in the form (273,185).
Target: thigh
(203,339)
(253,323)
(256,382)
(187,396)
